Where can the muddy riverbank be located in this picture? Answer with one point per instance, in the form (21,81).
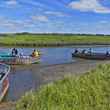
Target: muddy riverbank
(7,106)
(42,75)
(31,77)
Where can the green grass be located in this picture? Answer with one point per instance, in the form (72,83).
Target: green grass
(90,91)
(34,39)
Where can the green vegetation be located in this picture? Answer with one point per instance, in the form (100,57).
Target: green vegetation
(52,39)
(90,91)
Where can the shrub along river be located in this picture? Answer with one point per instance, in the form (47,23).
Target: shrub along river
(55,63)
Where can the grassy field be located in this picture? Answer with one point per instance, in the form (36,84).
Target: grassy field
(52,40)
(90,91)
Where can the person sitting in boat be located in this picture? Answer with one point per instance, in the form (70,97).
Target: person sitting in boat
(76,51)
(83,51)
(89,51)
(35,53)
(107,53)
(14,52)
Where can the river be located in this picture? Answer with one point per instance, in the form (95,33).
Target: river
(55,62)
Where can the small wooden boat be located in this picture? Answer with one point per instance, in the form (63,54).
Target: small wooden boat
(4,82)
(92,56)
(18,60)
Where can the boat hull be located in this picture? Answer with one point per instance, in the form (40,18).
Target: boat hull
(5,88)
(19,60)
(91,56)
(4,81)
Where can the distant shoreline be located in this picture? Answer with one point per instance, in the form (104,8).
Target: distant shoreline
(53,45)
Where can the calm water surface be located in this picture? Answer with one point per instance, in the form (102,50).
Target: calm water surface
(28,77)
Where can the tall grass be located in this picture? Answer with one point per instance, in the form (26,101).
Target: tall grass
(90,91)
(52,39)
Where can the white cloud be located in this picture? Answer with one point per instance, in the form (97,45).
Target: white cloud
(40,18)
(89,5)
(12,24)
(60,14)
(34,3)
(11,2)
(104,22)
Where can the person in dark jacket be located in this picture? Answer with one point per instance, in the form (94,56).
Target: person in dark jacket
(83,51)
(75,51)
(107,53)
(14,52)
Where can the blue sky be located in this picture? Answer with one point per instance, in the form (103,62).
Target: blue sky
(55,16)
